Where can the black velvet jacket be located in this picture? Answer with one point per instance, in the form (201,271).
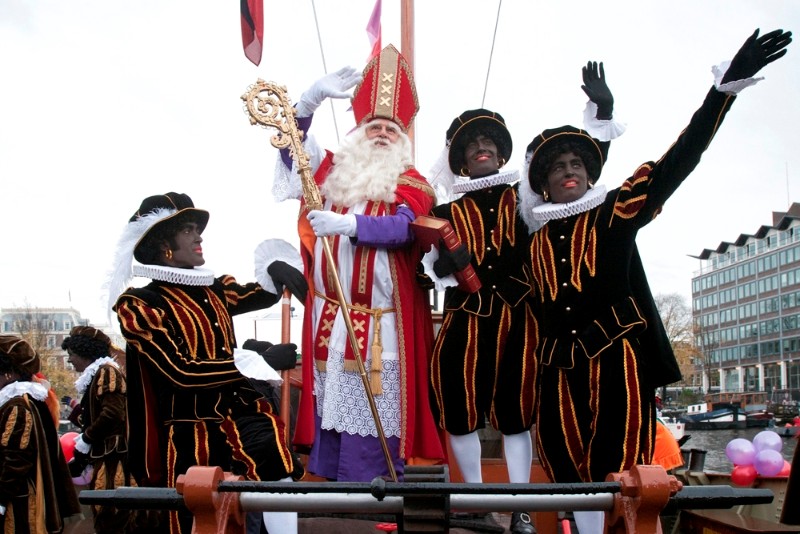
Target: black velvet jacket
(590,289)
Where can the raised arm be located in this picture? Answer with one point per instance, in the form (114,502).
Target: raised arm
(596,88)
(755,54)
(598,117)
(335,85)
(286,181)
(666,175)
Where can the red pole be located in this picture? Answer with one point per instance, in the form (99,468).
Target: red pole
(286,390)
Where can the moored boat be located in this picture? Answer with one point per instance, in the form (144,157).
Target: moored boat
(721,417)
(759,419)
(676,427)
(787,431)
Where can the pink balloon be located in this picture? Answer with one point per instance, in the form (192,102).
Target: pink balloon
(740,451)
(767,439)
(768,462)
(67,441)
(85,478)
(743,475)
(787,469)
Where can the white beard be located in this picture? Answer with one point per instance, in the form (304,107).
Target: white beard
(362,171)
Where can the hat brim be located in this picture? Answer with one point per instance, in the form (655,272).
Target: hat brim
(455,156)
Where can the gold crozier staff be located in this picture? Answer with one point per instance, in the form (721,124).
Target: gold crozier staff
(268,105)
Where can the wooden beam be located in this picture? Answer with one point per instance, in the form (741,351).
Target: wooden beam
(407,47)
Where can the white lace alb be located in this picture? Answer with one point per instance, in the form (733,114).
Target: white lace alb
(342,402)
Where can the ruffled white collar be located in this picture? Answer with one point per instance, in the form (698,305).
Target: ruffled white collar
(187,277)
(502,177)
(20,388)
(85,379)
(549,211)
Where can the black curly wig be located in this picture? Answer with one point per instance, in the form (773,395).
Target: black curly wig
(149,250)
(495,133)
(86,347)
(541,166)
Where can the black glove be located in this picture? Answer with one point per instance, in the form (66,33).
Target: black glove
(594,85)
(756,53)
(450,262)
(78,463)
(281,356)
(283,274)
(256,346)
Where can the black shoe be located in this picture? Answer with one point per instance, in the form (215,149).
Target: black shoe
(521,523)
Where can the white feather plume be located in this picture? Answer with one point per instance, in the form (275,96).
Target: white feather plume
(527,200)
(442,178)
(121,272)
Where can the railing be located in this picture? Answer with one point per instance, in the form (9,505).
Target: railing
(632,500)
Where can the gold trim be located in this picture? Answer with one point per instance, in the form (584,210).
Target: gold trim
(417,184)
(375,312)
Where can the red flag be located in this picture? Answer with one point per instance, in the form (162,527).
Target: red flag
(253,29)
(374,30)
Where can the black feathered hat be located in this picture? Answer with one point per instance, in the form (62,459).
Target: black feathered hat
(487,122)
(156,211)
(548,139)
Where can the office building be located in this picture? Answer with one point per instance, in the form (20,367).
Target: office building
(746,311)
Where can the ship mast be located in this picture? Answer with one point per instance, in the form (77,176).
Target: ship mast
(407,48)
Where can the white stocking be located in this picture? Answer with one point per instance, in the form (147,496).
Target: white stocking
(281,522)
(590,522)
(467,450)
(519,453)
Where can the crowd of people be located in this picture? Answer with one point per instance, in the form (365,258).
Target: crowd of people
(561,348)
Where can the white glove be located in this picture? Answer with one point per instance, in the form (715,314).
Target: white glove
(440,284)
(81,445)
(2,510)
(329,223)
(335,85)
(252,365)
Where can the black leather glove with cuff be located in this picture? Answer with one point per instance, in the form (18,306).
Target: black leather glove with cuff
(756,53)
(78,463)
(283,274)
(451,262)
(595,87)
(280,357)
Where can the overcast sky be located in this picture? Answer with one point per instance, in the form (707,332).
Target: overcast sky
(105,102)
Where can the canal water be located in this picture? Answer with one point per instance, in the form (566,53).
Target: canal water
(715,441)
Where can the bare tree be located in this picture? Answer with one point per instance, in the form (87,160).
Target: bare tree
(677,318)
(676,315)
(705,345)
